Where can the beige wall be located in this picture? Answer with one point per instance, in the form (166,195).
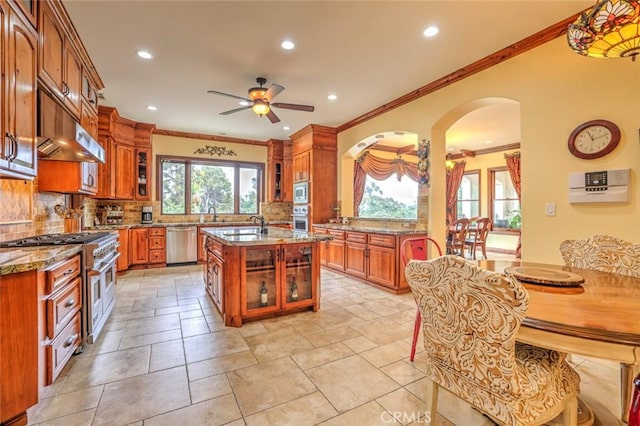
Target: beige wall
(557,91)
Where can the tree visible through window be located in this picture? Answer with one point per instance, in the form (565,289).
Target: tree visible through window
(505,203)
(192,186)
(390,198)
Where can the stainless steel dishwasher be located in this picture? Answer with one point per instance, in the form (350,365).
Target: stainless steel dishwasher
(182,244)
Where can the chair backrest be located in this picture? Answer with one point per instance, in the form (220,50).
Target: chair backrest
(603,253)
(416,248)
(461,227)
(470,320)
(483,226)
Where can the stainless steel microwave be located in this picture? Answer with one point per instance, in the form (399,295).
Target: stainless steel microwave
(301,192)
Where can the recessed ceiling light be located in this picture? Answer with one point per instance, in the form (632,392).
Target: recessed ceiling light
(223,134)
(379,136)
(361,145)
(152,107)
(244,103)
(398,133)
(287,45)
(430,31)
(286,128)
(332,97)
(144,54)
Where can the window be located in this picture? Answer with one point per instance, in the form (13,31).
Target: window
(468,200)
(505,206)
(192,186)
(390,198)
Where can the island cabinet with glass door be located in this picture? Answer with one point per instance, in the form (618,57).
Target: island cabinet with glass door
(249,275)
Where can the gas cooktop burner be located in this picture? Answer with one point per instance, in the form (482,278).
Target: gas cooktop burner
(54,239)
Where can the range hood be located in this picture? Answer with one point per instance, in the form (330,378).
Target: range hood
(60,136)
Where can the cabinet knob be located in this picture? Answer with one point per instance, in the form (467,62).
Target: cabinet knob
(69,303)
(70,341)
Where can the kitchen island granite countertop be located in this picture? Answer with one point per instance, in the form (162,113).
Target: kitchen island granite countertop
(248,236)
(372,229)
(15,260)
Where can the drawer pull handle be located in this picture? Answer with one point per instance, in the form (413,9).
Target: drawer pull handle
(70,341)
(68,271)
(69,303)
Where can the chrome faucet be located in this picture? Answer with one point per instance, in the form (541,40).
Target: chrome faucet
(263,225)
(215,215)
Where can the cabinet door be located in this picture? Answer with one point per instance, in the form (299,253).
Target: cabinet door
(106,171)
(287,183)
(297,284)
(52,50)
(123,239)
(143,174)
(89,177)
(138,246)
(355,259)
(89,92)
(301,166)
(89,120)
(72,84)
(214,280)
(336,254)
(381,265)
(274,183)
(21,102)
(124,172)
(261,289)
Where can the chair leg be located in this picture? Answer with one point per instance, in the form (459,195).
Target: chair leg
(432,402)
(416,332)
(570,413)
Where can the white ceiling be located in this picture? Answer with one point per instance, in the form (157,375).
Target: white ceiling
(366,52)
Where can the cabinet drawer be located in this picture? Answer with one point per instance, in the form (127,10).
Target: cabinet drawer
(61,348)
(62,306)
(157,256)
(214,247)
(382,240)
(156,232)
(62,273)
(356,237)
(338,235)
(156,243)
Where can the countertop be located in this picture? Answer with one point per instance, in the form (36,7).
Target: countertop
(251,236)
(341,227)
(165,224)
(15,260)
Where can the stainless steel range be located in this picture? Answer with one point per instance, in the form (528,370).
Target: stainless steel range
(99,256)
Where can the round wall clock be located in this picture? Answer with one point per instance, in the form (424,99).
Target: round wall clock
(594,139)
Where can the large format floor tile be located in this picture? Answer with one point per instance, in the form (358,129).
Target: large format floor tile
(166,358)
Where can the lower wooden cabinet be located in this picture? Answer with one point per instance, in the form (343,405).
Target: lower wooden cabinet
(147,246)
(370,256)
(273,279)
(123,249)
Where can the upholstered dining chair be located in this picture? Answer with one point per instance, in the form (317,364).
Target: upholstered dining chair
(470,320)
(634,410)
(477,236)
(603,253)
(416,248)
(457,236)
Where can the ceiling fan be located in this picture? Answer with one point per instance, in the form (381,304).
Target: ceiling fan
(259,101)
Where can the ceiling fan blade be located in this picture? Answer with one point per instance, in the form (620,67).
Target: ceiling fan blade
(297,107)
(215,92)
(272,116)
(273,91)
(231,111)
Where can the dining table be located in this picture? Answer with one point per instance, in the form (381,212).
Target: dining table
(581,311)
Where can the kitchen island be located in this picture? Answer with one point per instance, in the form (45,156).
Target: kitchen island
(251,275)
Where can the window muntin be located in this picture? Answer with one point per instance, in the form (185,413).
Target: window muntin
(468,199)
(504,203)
(389,198)
(193,186)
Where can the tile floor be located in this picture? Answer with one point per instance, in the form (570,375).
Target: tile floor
(165,358)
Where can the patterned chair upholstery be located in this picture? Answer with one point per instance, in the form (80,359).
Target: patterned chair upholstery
(470,320)
(603,253)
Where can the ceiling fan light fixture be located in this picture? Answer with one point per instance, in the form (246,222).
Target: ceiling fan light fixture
(256,93)
(260,108)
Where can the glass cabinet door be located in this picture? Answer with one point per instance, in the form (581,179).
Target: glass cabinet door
(298,273)
(261,285)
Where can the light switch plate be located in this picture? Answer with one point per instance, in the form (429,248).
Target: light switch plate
(550,209)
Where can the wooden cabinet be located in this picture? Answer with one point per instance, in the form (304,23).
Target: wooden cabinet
(18,60)
(124,171)
(89,93)
(89,120)
(273,279)
(147,246)
(59,65)
(381,259)
(143,174)
(355,254)
(302,166)
(70,177)
(123,249)
(63,300)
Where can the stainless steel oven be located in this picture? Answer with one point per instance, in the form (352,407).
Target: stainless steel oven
(300,218)
(301,192)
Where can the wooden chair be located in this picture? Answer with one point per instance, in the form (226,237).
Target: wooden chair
(416,248)
(603,253)
(471,317)
(457,236)
(634,410)
(477,236)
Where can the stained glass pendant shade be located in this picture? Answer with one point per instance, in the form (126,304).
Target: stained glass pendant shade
(610,29)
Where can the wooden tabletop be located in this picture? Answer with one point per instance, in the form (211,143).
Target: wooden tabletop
(605,307)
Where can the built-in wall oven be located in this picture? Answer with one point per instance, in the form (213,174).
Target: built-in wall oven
(301,192)
(300,218)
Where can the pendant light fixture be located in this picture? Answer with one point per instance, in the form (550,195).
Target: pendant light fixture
(611,29)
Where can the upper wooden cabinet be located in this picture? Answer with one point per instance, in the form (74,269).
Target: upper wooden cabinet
(18,62)
(60,67)
(89,92)
(278,181)
(69,177)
